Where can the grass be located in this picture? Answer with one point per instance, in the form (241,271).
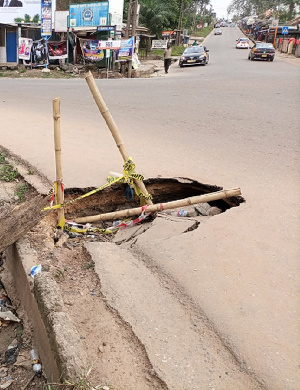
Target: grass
(203,32)
(7,172)
(1,74)
(20,191)
(88,265)
(80,383)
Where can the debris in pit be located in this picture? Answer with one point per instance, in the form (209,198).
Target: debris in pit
(11,354)
(8,316)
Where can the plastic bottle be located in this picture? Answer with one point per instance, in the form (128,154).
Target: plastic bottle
(182,213)
(36,363)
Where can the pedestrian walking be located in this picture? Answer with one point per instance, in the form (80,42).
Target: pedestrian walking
(167,57)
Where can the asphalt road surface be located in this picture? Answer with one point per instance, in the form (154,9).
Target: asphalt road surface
(233,123)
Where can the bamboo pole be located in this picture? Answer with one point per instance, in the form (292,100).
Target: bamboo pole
(112,126)
(162,206)
(58,164)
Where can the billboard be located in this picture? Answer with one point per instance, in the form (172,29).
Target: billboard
(17,9)
(89,14)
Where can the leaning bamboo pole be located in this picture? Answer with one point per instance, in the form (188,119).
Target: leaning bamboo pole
(162,206)
(58,164)
(112,126)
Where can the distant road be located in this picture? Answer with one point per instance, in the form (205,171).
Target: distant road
(231,123)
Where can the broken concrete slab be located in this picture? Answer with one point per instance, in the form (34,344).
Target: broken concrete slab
(183,350)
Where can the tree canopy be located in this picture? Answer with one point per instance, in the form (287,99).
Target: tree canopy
(282,9)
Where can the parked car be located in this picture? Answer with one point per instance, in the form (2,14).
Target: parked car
(262,50)
(242,43)
(218,31)
(194,55)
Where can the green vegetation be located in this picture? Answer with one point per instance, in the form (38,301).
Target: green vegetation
(159,15)
(7,172)
(1,74)
(21,191)
(204,31)
(80,383)
(285,10)
(88,265)
(30,172)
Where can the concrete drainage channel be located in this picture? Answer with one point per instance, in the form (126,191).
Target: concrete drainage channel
(65,310)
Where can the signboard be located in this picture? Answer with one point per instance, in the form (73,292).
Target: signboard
(285,29)
(113,45)
(16,13)
(275,23)
(159,44)
(89,14)
(167,33)
(199,26)
(105,28)
(46,18)
(25,45)
(61,21)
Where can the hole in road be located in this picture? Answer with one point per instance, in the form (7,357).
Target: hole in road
(162,189)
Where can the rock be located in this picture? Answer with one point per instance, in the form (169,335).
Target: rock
(46,70)
(62,240)
(214,211)
(3,372)
(203,208)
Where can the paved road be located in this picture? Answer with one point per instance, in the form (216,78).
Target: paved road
(231,123)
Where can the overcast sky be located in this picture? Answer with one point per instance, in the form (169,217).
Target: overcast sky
(220,7)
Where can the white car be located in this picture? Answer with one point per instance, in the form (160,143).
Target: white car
(242,43)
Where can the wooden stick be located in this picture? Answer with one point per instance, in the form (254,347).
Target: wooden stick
(112,126)
(17,221)
(58,164)
(162,206)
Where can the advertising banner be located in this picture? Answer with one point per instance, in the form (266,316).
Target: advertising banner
(88,15)
(46,18)
(126,50)
(40,53)
(14,11)
(57,50)
(91,50)
(159,44)
(25,45)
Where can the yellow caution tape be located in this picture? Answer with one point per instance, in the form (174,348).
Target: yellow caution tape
(128,177)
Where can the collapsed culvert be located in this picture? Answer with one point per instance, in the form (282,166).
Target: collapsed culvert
(110,202)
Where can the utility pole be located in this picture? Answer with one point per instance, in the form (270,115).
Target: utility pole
(129,16)
(180,23)
(131,25)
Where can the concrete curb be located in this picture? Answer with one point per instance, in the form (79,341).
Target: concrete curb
(54,334)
